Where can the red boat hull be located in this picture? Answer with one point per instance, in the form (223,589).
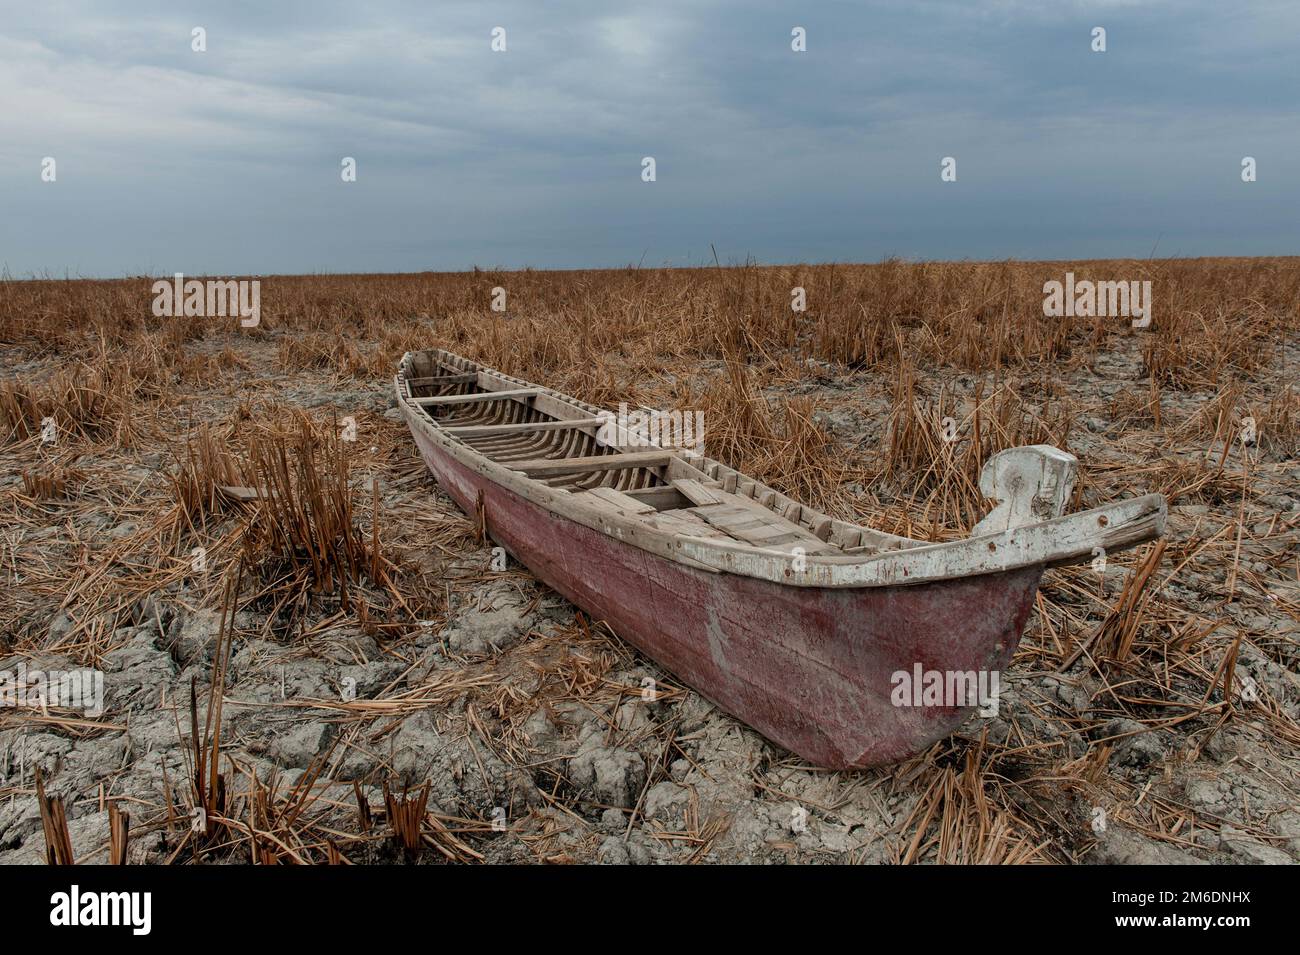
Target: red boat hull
(812,669)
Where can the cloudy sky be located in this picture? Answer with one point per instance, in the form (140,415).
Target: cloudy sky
(228,161)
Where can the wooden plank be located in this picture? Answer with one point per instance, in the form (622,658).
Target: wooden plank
(242,493)
(551,467)
(523,427)
(686,522)
(617,499)
(480,396)
(598,503)
(748,521)
(1063,540)
(696,493)
(444,380)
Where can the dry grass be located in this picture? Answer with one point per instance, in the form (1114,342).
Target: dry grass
(192,435)
(939,446)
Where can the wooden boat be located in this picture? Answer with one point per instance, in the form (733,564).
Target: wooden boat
(798,624)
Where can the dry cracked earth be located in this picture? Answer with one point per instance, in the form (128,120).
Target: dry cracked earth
(535,728)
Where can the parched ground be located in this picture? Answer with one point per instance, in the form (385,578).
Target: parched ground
(1152,723)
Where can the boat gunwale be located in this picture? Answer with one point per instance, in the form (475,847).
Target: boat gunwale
(1114,527)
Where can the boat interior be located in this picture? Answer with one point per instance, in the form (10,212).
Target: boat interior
(562,443)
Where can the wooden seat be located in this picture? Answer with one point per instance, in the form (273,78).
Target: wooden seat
(550,467)
(464,379)
(522,427)
(478,396)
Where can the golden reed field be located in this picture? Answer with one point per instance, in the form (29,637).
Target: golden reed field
(338,672)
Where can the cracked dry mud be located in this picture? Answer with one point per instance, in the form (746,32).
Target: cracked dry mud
(545,738)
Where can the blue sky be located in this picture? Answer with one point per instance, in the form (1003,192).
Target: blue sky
(228,161)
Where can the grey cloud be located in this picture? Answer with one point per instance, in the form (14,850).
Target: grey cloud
(228,161)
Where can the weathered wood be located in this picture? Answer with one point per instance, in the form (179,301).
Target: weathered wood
(242,494)
(550,467)
(696,493)
(523,427)
(869,543)
(442,380)
(1030,484)
(801,646)
(617,499)
(1068,539)
(477,396)
(687,522)
(747,521)
(665,498)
